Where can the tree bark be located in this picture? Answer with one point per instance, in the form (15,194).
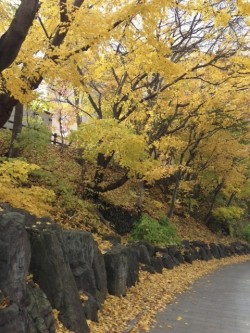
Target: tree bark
(216,192)
(12,40)
(7,103)
(17,128)
(141,194)
(10,44)
(112,186)
(102,164)
(174,195)
(231,199)
(77,103)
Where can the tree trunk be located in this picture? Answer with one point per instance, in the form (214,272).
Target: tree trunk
(7,104)
(10,44)
(12,40)
(17,128)
(174,195)
(140,197)
(230,199)
(112,186)
(216,192)
(77,103)
(102,164)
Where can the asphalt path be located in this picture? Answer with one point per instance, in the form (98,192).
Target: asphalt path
(217,303)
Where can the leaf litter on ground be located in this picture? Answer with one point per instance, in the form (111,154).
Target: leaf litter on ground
(136,311)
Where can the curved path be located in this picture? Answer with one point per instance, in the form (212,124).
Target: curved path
(217,303)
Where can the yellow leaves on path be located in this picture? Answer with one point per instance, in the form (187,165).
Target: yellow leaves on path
(137,310)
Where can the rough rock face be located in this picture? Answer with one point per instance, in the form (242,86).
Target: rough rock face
(65,263)
(239,248)
(172,249)
(116,263)
(151,248)
(157,264)
(148,268)
(14,256)
(87,265)
(79,247)
(50,266)
(144,256)
(100,274)
(90,307)
(11,321)
(14,263)
(188,257)
(167,261)
(39,311)
(133,265)
(29,219)
(179,257)
(122,266)
(27,309)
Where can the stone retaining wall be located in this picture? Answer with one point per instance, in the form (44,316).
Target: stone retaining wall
(44,267)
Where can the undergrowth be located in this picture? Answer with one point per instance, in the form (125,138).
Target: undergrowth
(161,233)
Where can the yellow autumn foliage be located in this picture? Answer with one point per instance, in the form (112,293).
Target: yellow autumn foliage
(108,137)
(222,18)
(14,188)
(162,88)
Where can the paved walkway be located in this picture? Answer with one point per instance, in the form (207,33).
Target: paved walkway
(217,303)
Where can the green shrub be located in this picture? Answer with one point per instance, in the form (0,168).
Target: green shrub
(34,138)
(246,233)
(227,218)
(232,213)
(161,233)
(5,139)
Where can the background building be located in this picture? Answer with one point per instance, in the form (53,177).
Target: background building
(27,115)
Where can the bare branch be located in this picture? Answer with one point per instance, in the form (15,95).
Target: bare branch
(95,106)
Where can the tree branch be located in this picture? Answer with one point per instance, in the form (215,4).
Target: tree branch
(12,40)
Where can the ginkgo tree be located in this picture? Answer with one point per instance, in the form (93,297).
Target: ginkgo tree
(44,40)
(50,40)
(164,73)
(215,119)
(209,164)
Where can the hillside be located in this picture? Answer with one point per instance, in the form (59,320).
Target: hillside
(124,157)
